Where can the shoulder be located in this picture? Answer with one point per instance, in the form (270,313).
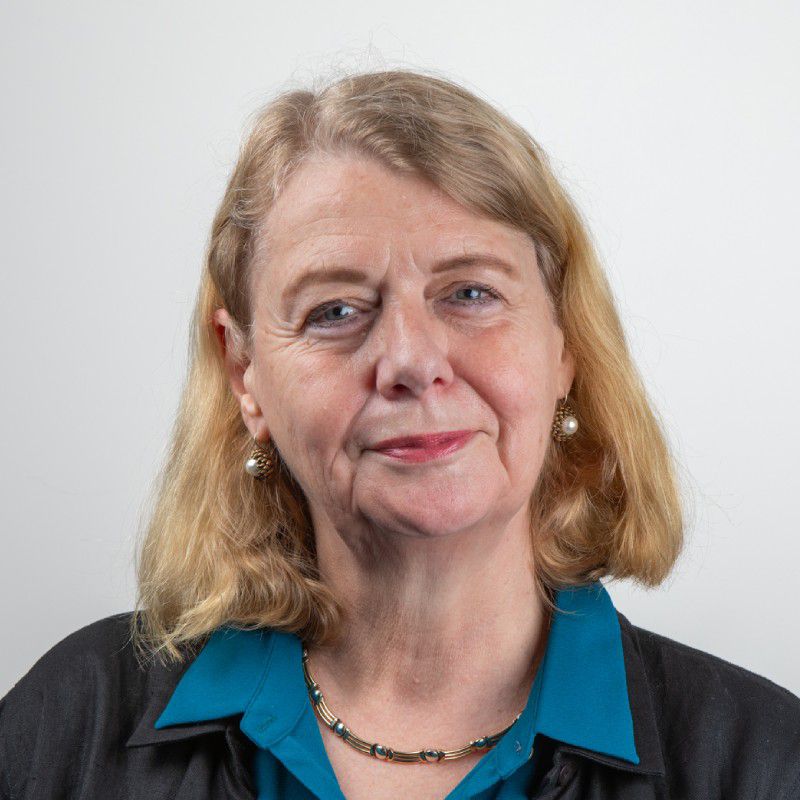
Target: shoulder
(99,638)
(701,671)
(709,707)
(77,667)
(89,680)
(91,653)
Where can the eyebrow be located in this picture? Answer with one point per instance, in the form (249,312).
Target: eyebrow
(332,274)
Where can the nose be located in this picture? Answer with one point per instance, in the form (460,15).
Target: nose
(413,348)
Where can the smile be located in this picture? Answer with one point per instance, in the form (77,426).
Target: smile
(428,452)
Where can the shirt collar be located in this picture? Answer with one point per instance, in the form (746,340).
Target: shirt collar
(590,695)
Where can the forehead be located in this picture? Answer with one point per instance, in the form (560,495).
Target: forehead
(332,202)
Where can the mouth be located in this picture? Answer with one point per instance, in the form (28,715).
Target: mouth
(423,447)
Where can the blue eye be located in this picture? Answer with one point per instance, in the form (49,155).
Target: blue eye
(477,287)
(326,322)
(317,318)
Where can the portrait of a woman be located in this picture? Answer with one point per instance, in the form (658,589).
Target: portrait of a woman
(411,446)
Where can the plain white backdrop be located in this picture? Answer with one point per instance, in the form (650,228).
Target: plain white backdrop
(673,125)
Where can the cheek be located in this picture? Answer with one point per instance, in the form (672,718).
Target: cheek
(514,374)
(310,406)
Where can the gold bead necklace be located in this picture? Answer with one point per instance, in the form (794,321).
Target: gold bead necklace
(381,752)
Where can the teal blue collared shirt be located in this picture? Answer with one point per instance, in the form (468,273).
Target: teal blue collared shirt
(579,696)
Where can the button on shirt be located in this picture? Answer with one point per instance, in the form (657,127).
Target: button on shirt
(579,697)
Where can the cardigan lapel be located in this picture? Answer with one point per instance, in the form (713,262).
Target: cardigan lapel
(210,772)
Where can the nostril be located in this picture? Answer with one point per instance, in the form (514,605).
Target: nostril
(564,774)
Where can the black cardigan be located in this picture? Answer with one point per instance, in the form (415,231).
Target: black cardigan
(79,724)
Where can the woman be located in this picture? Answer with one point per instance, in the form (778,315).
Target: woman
(411,443)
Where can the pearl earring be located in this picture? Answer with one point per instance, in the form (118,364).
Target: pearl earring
(260,465)
(565,423)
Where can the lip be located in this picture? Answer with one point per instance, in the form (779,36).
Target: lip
(423,447)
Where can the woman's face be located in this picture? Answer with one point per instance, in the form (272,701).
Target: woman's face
(383,308)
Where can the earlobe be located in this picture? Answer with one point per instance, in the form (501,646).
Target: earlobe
(567,369)
(249,405)
(251,415)
(251,411)
(253,418)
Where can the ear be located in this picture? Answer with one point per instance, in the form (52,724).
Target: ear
(566,370)
(239,369)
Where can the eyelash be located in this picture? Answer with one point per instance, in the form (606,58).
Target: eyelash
(319,310)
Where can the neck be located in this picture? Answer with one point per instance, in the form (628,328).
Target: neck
(436,629)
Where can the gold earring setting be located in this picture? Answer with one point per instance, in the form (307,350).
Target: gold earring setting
(261,464)
(565,423)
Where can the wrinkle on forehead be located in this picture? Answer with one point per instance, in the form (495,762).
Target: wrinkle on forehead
(335,195)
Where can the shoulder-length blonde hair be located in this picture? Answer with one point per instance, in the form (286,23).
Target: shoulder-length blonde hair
(222,548)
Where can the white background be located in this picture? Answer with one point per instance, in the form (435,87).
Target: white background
(674,125)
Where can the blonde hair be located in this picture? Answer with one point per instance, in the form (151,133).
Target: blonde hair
(223,548)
